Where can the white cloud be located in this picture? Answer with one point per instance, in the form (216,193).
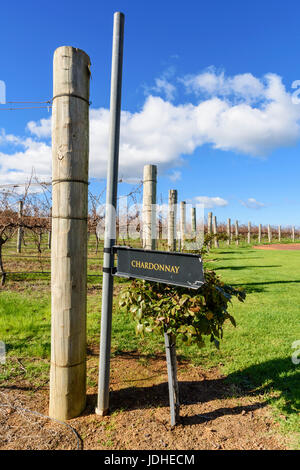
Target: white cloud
(242,114)
(165,87)
(175,175)
(210,202)
(242,86)
(252,203)
(41,129)
(159,134)
(30,155)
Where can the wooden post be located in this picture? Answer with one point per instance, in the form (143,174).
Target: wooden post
(209,225)
(182,223)
(236,232)
(293,233)
(279,233)
(172,219)
(269,233)
(259,233)
(179,241)
(228,231)
(149,207)
(215,230)
(70,153)
(249,232)
(20,230)
(193,222)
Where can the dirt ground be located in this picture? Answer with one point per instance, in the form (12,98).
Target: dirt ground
(279,246)
(213,415)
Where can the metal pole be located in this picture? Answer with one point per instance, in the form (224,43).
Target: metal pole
(170,345)
(110,219)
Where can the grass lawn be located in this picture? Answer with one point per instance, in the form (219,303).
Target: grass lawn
(256,354)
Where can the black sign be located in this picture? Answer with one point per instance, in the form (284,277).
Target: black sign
(179,269)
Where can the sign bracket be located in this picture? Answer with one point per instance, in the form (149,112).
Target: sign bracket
(112,270)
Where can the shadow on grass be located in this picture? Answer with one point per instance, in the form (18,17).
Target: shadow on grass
(30,276)
(278,375)
(258,286)
(237,268)
(21,346)
(234,251)
(233,259)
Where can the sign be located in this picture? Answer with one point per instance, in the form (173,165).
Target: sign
(179,269)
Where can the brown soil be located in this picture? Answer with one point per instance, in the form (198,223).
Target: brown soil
(214,414)
(279,246)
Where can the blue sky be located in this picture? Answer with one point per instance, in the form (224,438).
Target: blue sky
(207,96)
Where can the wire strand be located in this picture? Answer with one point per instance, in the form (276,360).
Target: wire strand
(19,408)
(29,102)
(17,185)
(27,107)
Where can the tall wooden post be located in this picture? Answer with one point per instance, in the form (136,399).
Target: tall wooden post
(293,233)
(209,225)
(259,233)
(179,244)
(215,230)
(182,223)
(279,233)
(149,207)
(20,230)
(70,154)
(236,232)
(193,222)
(269,233)
(172,219)
(249,232)
(228,231)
